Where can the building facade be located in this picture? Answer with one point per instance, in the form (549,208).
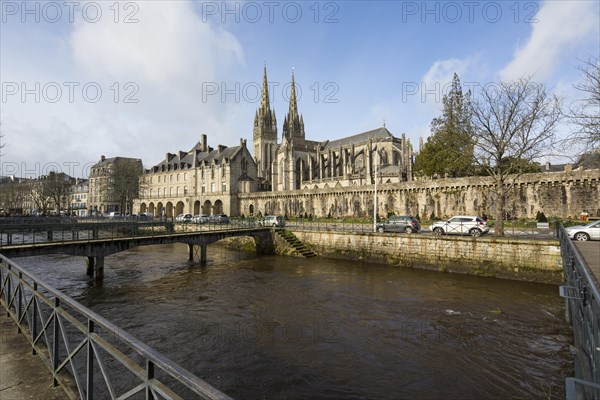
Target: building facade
(102,197)
(204,180)
(79,196)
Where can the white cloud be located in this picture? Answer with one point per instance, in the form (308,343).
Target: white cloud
(169,56)
(442,71)
(561,26)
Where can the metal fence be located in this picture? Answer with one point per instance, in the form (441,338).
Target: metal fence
(582,310)
(38,234)
(88,355)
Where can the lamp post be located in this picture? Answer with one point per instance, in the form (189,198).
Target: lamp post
(375,191)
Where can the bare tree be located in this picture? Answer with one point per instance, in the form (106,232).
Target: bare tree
(58,187)
(584,114)
(13,196)
(125,182)
(514,122)
(40,195)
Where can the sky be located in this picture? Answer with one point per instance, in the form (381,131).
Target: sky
(143,78)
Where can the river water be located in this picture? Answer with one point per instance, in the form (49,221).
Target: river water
(274,327)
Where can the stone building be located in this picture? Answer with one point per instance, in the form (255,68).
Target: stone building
(298,163)
(202,180)
(79,198)
(101,197)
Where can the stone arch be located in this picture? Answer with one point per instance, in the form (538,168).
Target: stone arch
(207,207)
(179,207)
(151,209)
(169,210)
(251,209)
(359,162)
(159,209)
(383,160)
(218,207)
(197,207)
(143,207)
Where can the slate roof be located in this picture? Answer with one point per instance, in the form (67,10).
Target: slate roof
(375,134)
(207,157)
(108,161)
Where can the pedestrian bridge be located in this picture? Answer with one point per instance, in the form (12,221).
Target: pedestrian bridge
(95,249)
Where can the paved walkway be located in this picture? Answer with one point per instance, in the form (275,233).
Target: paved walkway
(591,253)
(22,375)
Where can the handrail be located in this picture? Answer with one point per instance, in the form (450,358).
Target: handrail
(25,295)
(582,310)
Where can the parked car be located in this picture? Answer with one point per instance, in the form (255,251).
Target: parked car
(200,219)
(399,223)
(273,220)
(218,219)
(183,218)
(142,216)
(461,225)
(590,231)
(114,214)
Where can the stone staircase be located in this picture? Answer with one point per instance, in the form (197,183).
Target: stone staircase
(293,241)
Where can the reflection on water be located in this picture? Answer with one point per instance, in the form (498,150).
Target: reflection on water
(278,327)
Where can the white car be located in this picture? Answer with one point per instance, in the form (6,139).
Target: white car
(461,225)
(590,231)
(273,220)
(183,218)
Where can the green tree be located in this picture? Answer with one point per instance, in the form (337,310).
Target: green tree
(449,149)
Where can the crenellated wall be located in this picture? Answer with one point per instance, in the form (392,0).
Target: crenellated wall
(563,194)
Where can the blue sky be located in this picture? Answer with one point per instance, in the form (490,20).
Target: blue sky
(142,78)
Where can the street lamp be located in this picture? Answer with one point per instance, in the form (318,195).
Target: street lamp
(375,191)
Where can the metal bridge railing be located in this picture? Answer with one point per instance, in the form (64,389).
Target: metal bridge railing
(88,355)
(43,234)
(582,310)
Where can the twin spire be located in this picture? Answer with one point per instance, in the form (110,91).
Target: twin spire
(293,125)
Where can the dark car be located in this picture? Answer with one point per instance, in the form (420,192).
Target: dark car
(218,219)
(401,223)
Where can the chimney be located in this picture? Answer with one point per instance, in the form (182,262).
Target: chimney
(242,142)
(203,144)
(102,158)
(221,148)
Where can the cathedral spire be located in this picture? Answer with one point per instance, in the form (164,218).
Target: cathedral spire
(293,112)
(293,126)
(264,101)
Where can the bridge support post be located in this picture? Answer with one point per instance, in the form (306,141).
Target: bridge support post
(203,248)
(95,233)
(265,244)
(99,268)
(9,238)
(90,262)
(50,235)
(190,252)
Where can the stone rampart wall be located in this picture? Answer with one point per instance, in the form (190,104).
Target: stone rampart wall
(530,260)
(561,194)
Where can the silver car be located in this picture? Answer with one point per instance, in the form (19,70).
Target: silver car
(461,225)
(590,231)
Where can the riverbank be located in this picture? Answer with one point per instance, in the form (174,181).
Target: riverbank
(531,260)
